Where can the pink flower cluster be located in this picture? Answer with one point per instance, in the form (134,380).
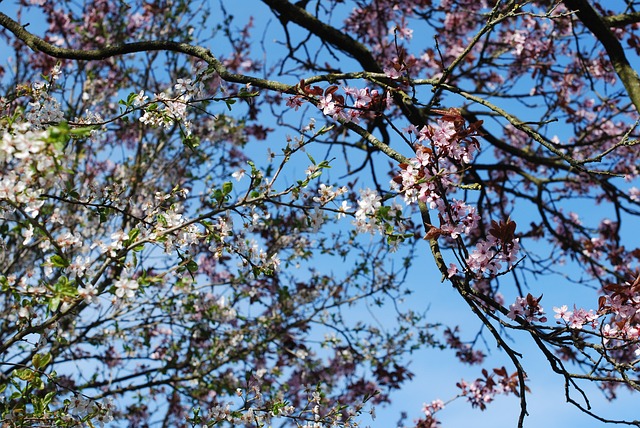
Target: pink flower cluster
(430,409)
(368,203)
(528,308)
(433,407)
(464,351)
(430,176)
(362,101)
(622,302)
(484,389)
(28,166)
(490,253)
(577,318)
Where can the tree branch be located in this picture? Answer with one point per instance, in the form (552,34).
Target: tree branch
(622,20)
(289,12)
(345,43)
(37,44)
(599,27)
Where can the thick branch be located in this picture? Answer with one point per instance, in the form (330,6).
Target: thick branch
(37,44)
(290,12)
(599,27)
(622,20)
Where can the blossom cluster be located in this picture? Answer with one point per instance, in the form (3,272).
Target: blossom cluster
(430,410)
(223,240)
(170,107)
(29,165)
(528,308)
(327,193)
(361,101)
(577,318)
(488,255)
(622,304)
(372,216)
(464,351)
(384,27)
(483,390)
(82,408)
(368,204)
(45,109)
(258,410)
(442,150)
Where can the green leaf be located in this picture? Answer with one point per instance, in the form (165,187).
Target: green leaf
(37,383)
(40,361)
(383,212)
(133,234)
(103,212)
(162,220)
(38,406)
(47,398)
(227,187)
(59,133)
(54,303)
(190,141)
(277,407)
(311,159)
(218,195)
(64,287)
(132,96)
(83,131)
(192,266)
(325,129)
(58,261)
(24,374)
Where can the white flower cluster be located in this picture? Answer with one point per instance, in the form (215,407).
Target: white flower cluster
(45,110)
(27,168)
(174,106)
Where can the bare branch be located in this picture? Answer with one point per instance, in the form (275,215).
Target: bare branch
(599,27)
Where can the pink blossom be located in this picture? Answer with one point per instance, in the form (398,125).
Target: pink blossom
(453,269)
(528,308)
(581,317)
(294,102)
(90,293)
(433,407)
(609,332)
(392,73)
(562,313)
(328,105)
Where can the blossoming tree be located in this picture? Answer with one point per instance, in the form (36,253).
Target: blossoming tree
(194,207)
